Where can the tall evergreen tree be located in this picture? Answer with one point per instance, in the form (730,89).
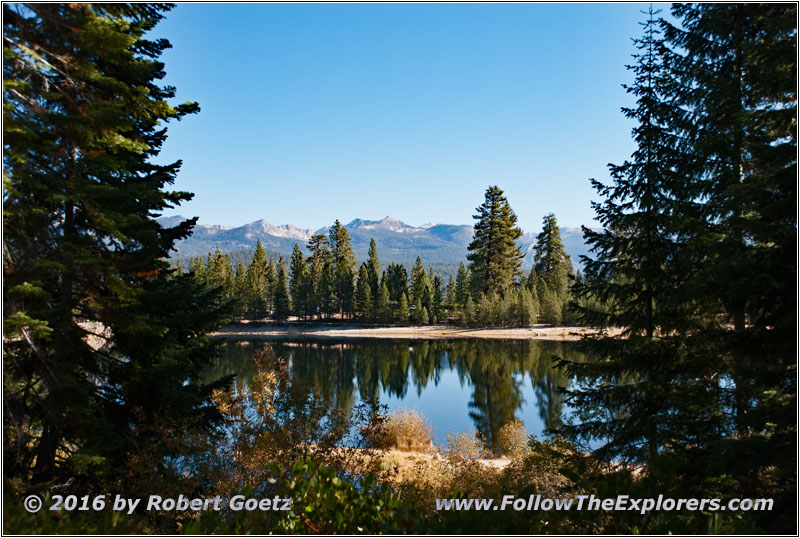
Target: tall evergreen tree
(551,261)
(450,293)
(364,297)
(383,308)
(271,279)
(298,283)
(240,291)
(736,84)
(397,281)
(283,305)
(318,246)
(402,309)
(344,262)
(462,284)
(419,282)
(84,119)
(258,283)
(493,251)
(695,224)
(374,270)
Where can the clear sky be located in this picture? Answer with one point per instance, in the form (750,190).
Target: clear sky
(313,112)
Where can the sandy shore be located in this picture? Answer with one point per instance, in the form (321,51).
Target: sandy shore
(277,331)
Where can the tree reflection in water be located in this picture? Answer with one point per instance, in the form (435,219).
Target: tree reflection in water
(342,372)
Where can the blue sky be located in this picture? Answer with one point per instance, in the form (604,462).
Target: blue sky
(312,112)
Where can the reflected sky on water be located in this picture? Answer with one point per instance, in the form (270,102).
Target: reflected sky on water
(457,384)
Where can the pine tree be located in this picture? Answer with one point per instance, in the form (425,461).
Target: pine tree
(271,278)
(424,317)
(631,268)
(397,281)
(283,305)
(198,269)
(699,229)
(416,315)
(298,283)
(493,251)
(318,246)
(438,299)
(524,308)
(343,265)
(383,308)
(258,283)
(551,262)
(419,282)
(402,310)
(462,284)
(740,150)
(450,298)
(469,311)
(364,297)
(240,290)
(84,120)
(327,288)
(374,270)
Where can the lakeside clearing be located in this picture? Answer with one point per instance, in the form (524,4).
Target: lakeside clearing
(271,331)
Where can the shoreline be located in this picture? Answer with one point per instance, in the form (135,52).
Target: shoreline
(294,330)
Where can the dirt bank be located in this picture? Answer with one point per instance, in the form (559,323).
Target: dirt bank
(292,330)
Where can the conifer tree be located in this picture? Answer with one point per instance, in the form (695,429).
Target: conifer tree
(493,252)
(318,246)
(416,315)
(84,118)
(298,283)
(271,278)
(438,299)
(198,269)
(373,269)
(424,317)
(364,297)
(419,282)
(397,281)
(450,298)
(402,309)
(327,288)
(383,308)
(631,264)
(240,290)
(258,283)
(551,261)
(283,305)
(343,265)
(740,145)
(462,284)
(685,221)
(469,311)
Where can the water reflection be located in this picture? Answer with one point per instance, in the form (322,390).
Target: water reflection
(498,377)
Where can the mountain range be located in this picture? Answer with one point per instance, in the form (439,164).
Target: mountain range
(396,241)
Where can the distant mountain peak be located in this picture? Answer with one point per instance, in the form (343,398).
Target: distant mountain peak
(396,240)
(386,223)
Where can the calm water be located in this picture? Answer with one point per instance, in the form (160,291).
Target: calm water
(457,385)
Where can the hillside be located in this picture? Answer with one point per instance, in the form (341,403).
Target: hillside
(436,244)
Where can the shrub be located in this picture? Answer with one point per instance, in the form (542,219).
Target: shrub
(406,429)
(465,445)
(512,439)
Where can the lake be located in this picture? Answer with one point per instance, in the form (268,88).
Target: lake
(457,384)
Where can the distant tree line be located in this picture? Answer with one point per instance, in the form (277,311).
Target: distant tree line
(324,283)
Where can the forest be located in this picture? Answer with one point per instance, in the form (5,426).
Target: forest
(325,285)
(106,346)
